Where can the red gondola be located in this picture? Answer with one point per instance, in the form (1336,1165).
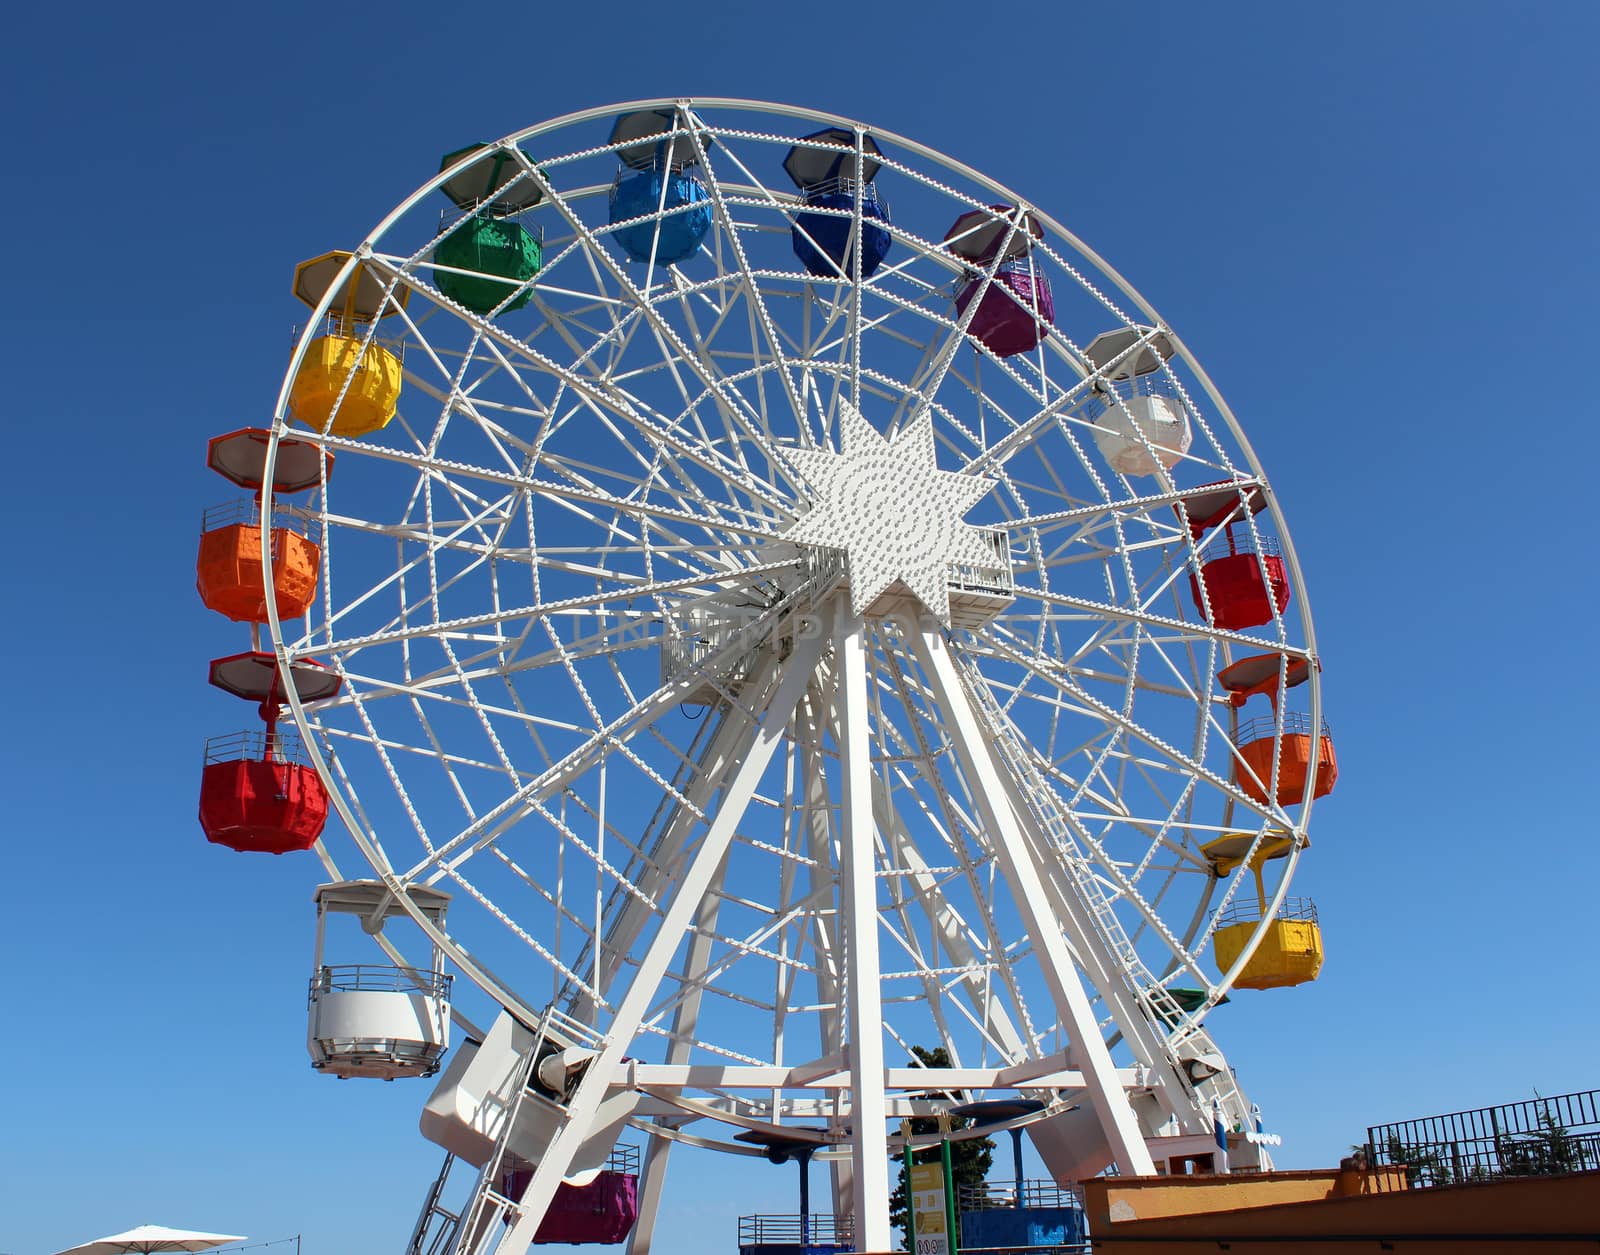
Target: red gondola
(1242,579)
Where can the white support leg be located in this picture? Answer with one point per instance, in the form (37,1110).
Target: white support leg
(1148,1045)
(729,744)
(824,927)
(1105,1090)
(652,1178)
(653,1172)
(859,894)
(691,892)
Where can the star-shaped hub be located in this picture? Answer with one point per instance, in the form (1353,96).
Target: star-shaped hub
(893,512)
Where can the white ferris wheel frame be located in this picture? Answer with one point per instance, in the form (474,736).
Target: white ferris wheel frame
(1064,923)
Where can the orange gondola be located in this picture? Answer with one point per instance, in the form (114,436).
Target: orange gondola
(1262,753)
(228,571)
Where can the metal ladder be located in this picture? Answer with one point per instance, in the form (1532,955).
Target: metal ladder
(440,1231)
(487,1203)
(437,1224)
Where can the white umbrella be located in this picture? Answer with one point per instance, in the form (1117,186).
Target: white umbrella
(150,1238)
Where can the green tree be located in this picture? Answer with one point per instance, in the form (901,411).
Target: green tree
(1424,1164)
(969,1159)
(1545,1152)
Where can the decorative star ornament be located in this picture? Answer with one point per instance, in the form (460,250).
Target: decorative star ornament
(894,513)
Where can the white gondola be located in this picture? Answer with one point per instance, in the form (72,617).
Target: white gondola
(1140,424)
(370,1019)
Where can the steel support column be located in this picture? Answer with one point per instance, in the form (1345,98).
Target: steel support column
(858,882)
(990,795)
(690,893)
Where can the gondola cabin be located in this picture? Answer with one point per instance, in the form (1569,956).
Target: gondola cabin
(484,263)
(1241,580)
(601,1212)
(1290,951)
(348,382)
(1016,308)
(377,1020)
(833,173)
(484,257)
(1140,422)
(1301,756)
(659,211)
(228,570)
(1263,762)
(259,792)
(260,795)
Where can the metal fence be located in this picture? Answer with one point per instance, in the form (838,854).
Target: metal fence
(796,1231)
(994,1195)
(1029,1217)
(1539,1137)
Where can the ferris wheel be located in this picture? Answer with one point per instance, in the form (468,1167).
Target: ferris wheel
(780,599)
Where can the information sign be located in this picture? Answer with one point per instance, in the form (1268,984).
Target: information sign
(928,1209)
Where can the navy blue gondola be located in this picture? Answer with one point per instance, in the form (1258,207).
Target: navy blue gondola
(824,232)
(654,174)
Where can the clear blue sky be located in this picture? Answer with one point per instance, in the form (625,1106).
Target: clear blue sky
(1373,222)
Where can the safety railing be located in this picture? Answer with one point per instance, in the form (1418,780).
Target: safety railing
(349,978)
(623,1158)
(450,219)
(336,324)
(280,747)
(689,640)
(555,1024)
(1105,393)
(247,510)
(797,1231)
(679,165)
(1265,727)
(999,1195)
(1539,1137)
(1024,265)
(1302,909)
(841,185)
(1240,542)
(997,578)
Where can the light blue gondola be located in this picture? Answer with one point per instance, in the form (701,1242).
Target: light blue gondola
(654,176)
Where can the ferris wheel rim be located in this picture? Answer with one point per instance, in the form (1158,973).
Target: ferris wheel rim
(373,852)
